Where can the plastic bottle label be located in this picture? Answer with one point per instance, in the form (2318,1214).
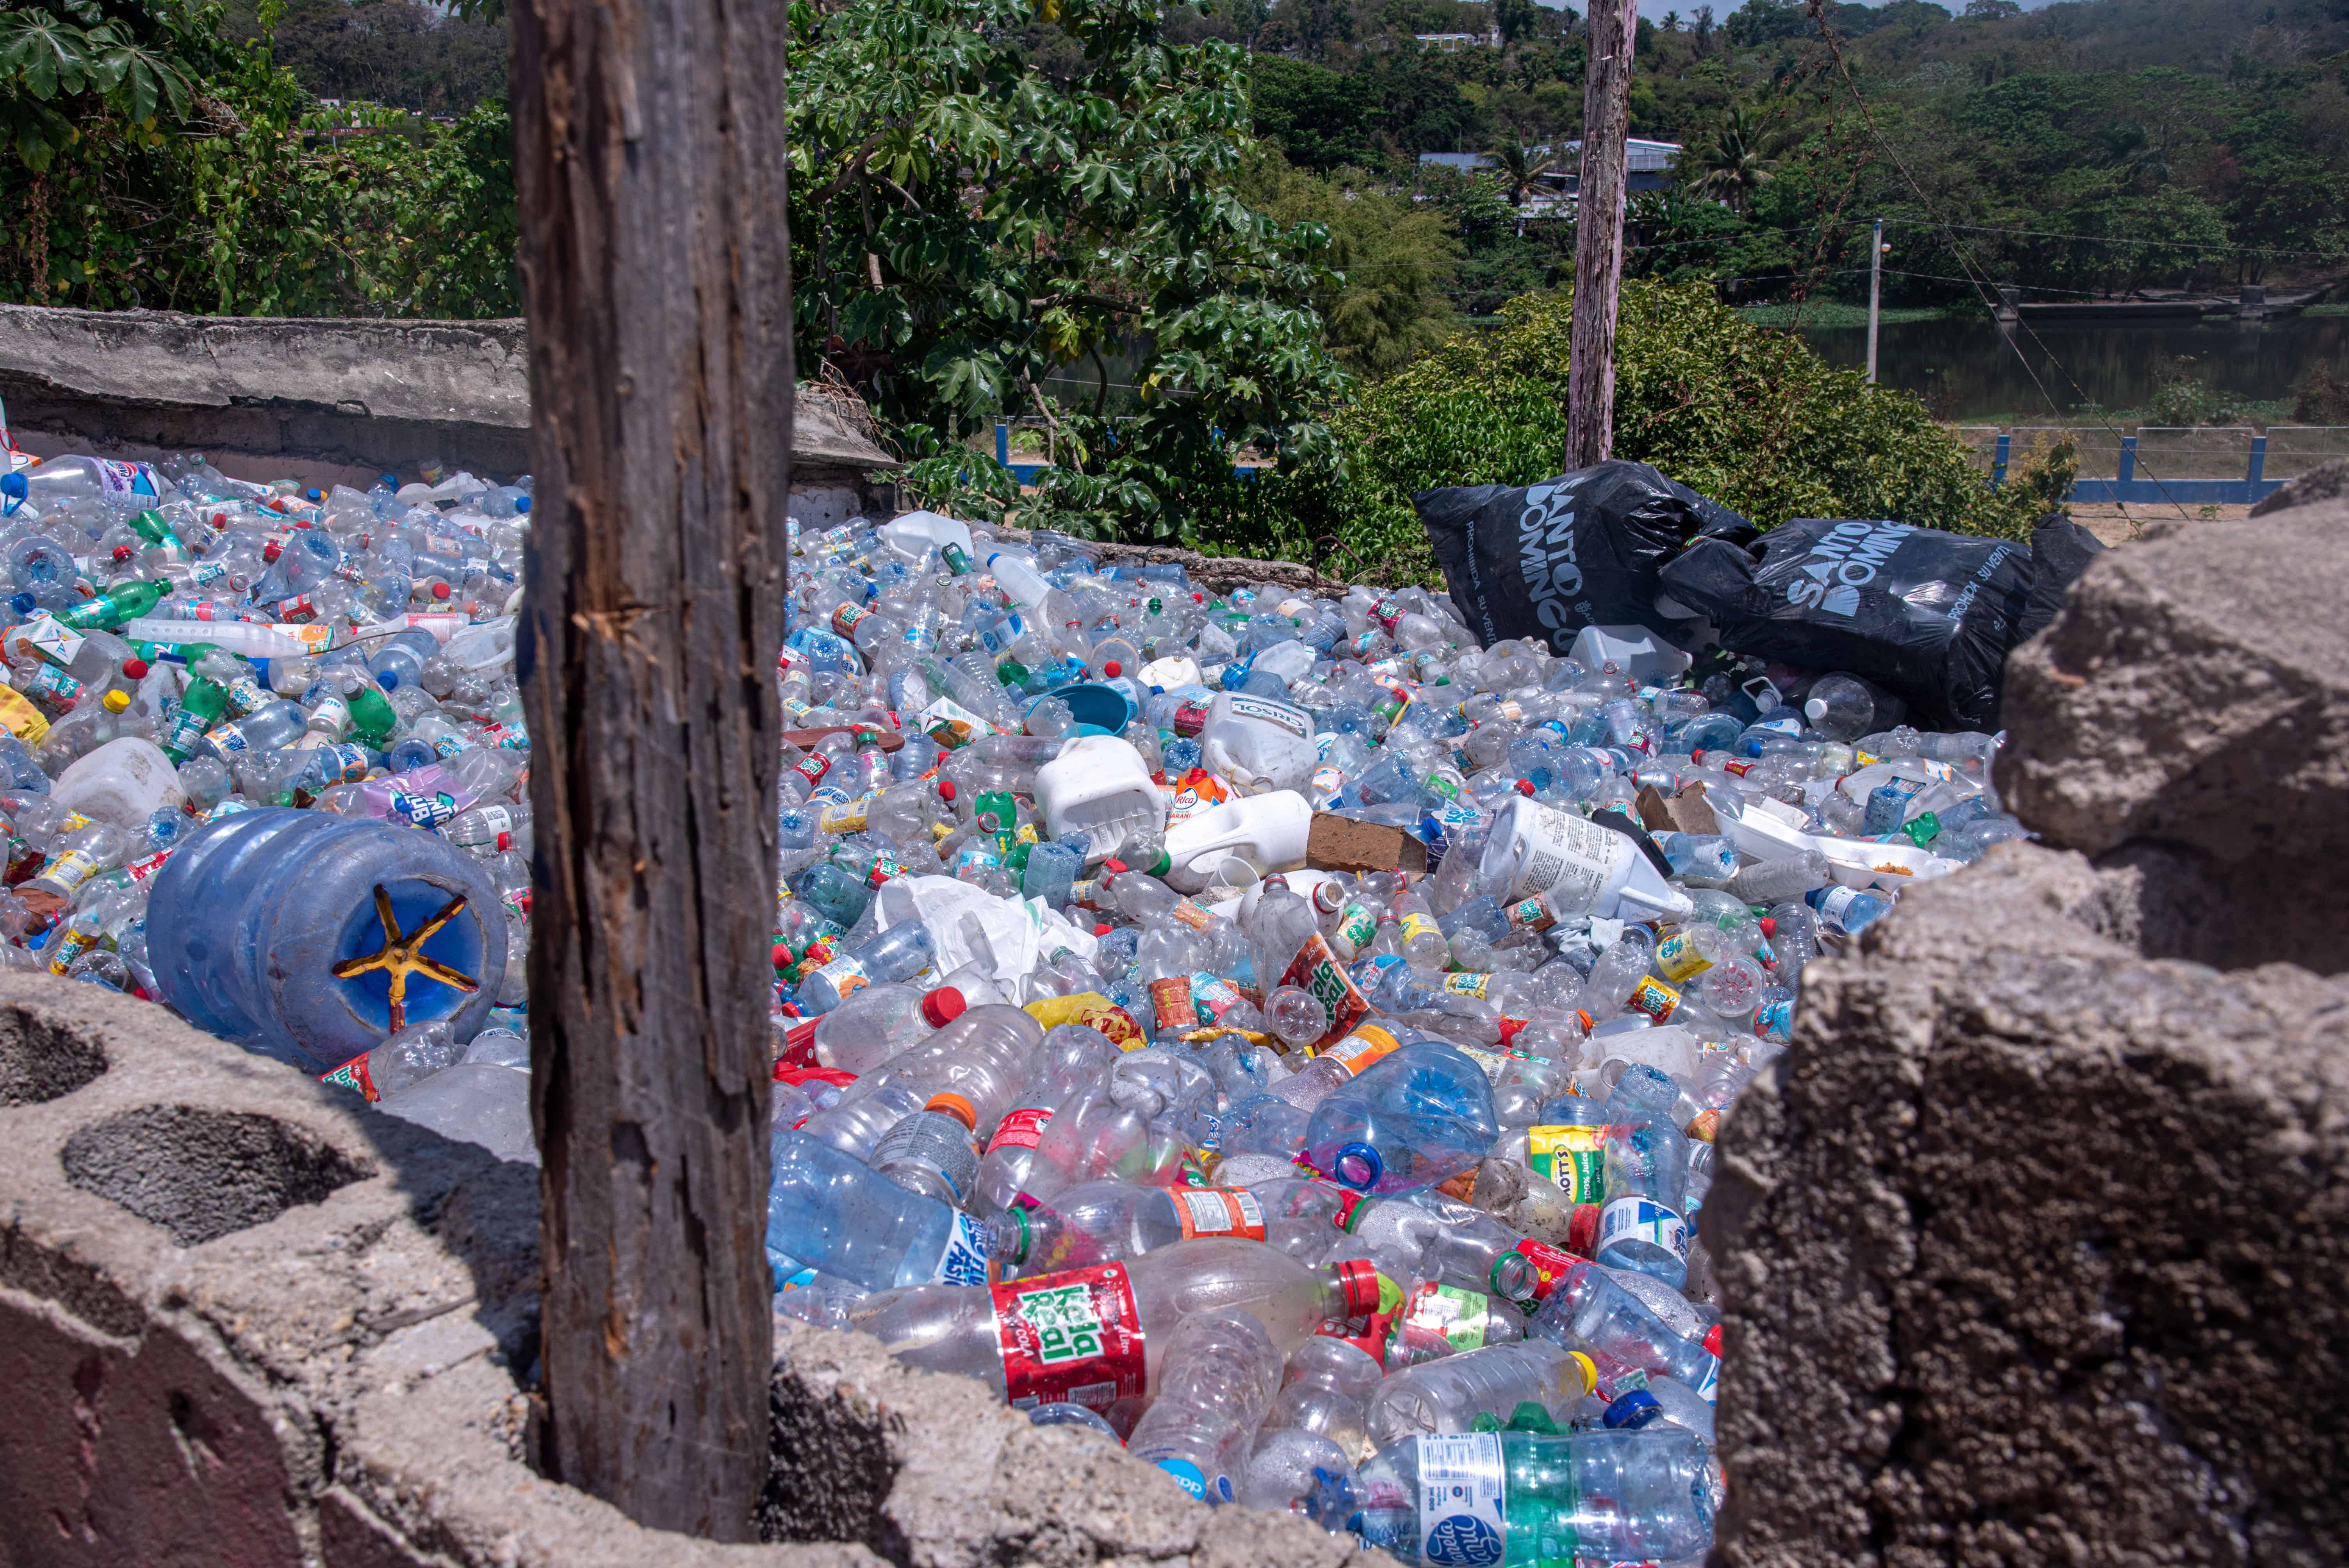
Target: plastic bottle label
(1567,856)
(847,618)
(227,737)
(1530,914)
(1460,1316)
(1467,985)
(1073,1338)
(969,1257)
(1356,926)
(1653,997)
(147,865)
(350,760)
(1191,916)
(1775,1020)
(1678,958)
(1415,925)
(1549,1266)
(1171,999)
(124,479)
(1363,1049)
(813,767)
(1219,1211)
(1293,720)
(1317,972)
(70,869)
(1642,1219)
(1021,1129)
(1837,904)
(1573,1157)
(846,976)
(424,810)
(1213,996)
(1460,1499)
(352,1074)
(844,818)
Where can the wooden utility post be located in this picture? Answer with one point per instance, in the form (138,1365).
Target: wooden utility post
(649,162)
(1598,232)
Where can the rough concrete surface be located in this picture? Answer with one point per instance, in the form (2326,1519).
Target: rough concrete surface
(2326,482)
(2033,1251)
(324,401)
(245,1320)
(2186,717)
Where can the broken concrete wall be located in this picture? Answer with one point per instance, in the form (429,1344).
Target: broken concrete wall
(2035,1249)
(244,1319)
(334,400)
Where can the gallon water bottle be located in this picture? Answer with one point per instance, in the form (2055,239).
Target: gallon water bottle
(1422,1116)
(311,937)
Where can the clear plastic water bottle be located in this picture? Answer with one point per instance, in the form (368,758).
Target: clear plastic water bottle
(1450,1394)
(831,1212)
(1216,1384)
(1422,1116)
(1847,910)
(895,955)
(1528,1497)
(930,1152)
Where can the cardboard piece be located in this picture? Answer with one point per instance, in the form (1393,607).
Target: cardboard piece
(1337,844)
(1684,811)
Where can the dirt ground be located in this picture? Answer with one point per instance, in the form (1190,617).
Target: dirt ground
(2117,522)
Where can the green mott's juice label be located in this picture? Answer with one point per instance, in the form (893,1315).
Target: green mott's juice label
(1573,1157)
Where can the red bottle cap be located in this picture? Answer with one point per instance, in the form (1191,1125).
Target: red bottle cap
(123,552)
(1101,929)
(273,549)
(1361,1278)
(943,1007)
(135,668)
(1112,668)
(946,789)
(439,589)
(1712,1340)
(782,954)
(1769,926)
(1113,867)
(1524,786)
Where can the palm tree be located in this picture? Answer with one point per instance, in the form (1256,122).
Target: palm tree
(1521,166)
(1736,162)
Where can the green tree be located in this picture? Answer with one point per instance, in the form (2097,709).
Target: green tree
(1517,19)
(1734,161)
(964,225)
(1391,261)
(1520,168)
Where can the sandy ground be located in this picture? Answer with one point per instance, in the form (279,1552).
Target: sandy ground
(2118,523)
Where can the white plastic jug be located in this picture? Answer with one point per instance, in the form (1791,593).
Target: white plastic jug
(1634,650)
(1098,788)
(124,781)
(1532,850)
(1259,743)
(918,531)
(1239,841)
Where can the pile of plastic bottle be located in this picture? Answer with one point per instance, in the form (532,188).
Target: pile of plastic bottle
(1270,1029)
(1263,1027)
(239,715)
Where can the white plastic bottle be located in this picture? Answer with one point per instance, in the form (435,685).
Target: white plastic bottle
(1533,850)
(1097,791)
(1239,841)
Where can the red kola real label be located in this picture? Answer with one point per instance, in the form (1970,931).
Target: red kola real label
(1316,971)
(1021,1129)
(1171,1000)
(352,1074)
(1070,1338)
(1219,1211)
(1549,1264)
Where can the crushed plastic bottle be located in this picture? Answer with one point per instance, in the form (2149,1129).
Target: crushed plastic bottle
(1097,1079)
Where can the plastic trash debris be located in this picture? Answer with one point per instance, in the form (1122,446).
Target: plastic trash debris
(1266,1026)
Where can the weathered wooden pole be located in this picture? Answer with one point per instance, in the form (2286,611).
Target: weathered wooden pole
(649,160)
(1598,231)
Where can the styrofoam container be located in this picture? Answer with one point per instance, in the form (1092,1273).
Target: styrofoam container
(1634,650)
(1166,675)
(1239,841)
(124,781)
(1098,789)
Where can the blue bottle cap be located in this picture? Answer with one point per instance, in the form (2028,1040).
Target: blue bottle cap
(521,504)
(1633,1410)
(14,486)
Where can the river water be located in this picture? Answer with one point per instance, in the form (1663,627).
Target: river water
(1968,371)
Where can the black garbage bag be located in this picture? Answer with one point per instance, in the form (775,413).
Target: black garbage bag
(1927,615)
(1542,562)
(2060,550)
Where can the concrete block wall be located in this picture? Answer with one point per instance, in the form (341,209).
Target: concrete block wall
(246,1320)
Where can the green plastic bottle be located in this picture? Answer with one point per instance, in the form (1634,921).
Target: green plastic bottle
(1478,1499)
(200,709)
(373,718)
(124,601)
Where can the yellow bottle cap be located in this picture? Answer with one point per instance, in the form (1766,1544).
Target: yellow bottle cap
(1588,1369)
(115,701)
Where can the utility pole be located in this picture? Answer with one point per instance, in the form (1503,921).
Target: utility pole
(649,162)
(1874,293)
(1598,232)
